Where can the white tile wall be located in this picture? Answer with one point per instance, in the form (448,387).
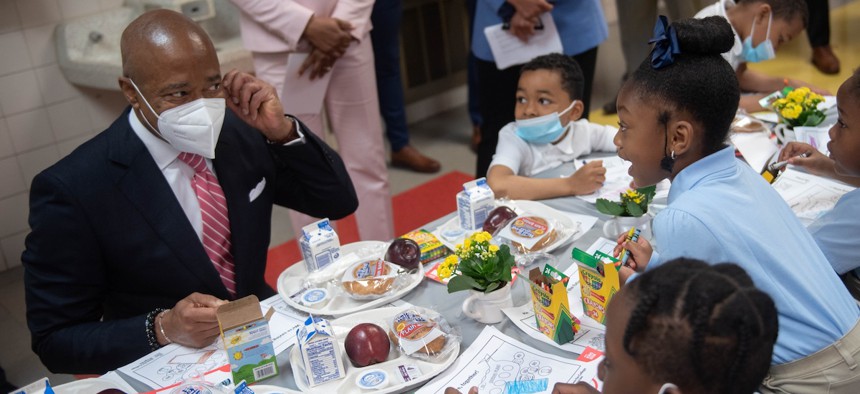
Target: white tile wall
(8,16)
(12,247)
(14,49)
(70,119)
(19,92)
(13,214)
(6,148)
(33,162)
(38,12)
(30,130)
(42,116)
(11,179)
(40,44)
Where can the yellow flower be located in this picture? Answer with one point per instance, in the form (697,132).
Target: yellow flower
(791,111)
(467,243)
(494,248)
(798,95)
(779,103)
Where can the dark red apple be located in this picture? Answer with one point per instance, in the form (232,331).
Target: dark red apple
(367,344)
(404,252)
(498,218)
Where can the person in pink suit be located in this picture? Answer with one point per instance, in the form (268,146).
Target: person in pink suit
(327,45)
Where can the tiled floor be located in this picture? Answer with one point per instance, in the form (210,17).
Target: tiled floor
(446,137)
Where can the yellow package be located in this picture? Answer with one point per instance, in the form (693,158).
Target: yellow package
(552,311)
(598,280)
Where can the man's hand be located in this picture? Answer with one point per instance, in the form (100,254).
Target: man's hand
(816,163)
(587,179)
(191,322)
(640,252)
(523,27)
(531,8)
(329,35)
(578,388)
(318,63)
(257,103)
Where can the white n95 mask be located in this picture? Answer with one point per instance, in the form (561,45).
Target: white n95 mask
(191,127)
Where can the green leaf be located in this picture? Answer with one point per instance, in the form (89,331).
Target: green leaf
(609,207)
(462,282)
(493,286)
(648,192)
(814,119)
(634,209)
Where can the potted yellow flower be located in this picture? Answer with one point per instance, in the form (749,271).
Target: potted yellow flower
(631,211)
(484,269)
(799,107)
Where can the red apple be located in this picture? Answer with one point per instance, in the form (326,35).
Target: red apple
(404,252)
(498,218)
(367,344)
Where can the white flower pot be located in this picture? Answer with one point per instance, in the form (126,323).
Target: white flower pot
(622,224)
(487,307)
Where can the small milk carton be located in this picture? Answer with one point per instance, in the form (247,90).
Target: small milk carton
(598,280)
(320,351)
(319,244)
(551,305)
(474,203)
(246,337)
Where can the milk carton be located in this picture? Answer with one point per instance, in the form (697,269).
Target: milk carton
(319,244)
(474,203)
(246,337)
(320,351)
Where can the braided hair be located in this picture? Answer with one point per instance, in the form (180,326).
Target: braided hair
(572,80)
(705,328)
(699,82)
(784,9)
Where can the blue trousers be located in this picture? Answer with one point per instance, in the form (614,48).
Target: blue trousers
(386,17)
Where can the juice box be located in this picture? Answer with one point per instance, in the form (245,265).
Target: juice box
(319,244)
(320,351)
(246,337)
(474,203)
(549,299)
(598,280)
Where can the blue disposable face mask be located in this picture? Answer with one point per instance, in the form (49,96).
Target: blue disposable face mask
(761,52)
(543,129)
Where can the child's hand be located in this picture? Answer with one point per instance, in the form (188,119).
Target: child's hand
(587,179)
(451,390)
(578,388)
(640,252)
(816,163)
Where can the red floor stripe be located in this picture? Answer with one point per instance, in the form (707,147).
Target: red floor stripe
(412,209)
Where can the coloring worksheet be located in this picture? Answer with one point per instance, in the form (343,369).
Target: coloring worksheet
(617,180)
(497,364)
(809,196)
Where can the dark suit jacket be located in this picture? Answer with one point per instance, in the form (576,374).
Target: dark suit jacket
(109,241)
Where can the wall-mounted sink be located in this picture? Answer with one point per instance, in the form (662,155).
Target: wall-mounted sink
(88,47)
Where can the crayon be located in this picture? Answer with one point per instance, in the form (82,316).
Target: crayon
(632,236)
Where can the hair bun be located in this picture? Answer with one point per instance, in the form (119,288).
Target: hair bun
(709,36)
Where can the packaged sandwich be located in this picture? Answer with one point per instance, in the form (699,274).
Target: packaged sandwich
(422,333)
(371,279)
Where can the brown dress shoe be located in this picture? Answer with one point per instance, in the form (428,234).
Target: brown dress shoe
(476,138)
(410,158)
(825,60)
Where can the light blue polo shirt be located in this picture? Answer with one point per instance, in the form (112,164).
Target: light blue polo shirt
(836,234)
(580,24)
(720,210)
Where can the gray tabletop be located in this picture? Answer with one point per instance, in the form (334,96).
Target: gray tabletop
(435,296)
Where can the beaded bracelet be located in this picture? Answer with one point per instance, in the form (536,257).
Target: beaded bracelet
(150,329)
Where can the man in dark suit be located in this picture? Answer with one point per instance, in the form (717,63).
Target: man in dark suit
(122,227)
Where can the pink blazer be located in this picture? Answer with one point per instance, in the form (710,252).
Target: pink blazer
(277,25)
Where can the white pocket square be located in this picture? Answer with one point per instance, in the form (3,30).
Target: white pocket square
(257,190)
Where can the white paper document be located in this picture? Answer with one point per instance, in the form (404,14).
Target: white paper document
(617,180)
(175,363)
(496,363)
(809,196)
(757,148)
(310,94)
(508,50)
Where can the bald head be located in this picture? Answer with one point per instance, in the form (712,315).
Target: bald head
(159,34)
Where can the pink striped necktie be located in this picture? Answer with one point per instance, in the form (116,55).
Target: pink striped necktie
(216,225)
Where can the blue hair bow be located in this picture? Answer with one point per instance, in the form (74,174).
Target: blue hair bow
(665,44)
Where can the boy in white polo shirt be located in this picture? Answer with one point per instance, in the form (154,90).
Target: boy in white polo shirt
(548,132)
